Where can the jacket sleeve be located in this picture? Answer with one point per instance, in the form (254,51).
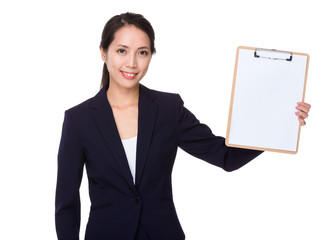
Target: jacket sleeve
(70,167)
(198,140)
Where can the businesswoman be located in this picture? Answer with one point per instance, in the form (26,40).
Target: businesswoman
(127,137)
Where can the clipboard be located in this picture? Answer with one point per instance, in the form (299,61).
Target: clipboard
(267,85)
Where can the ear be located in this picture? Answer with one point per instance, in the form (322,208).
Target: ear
(103,55)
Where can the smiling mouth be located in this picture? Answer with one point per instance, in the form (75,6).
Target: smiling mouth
(129,75)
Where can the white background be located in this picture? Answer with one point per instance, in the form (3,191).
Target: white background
(50,62)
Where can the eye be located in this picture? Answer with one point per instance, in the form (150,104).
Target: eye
(143,53)
(121,51)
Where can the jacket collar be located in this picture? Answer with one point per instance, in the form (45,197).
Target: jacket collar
(101,97)
(104,118)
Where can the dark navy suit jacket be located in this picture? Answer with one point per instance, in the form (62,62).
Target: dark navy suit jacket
(90,138)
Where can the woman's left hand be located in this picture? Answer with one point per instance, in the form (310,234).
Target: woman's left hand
(304,109)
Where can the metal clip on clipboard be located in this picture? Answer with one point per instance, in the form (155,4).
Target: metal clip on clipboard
(273,54)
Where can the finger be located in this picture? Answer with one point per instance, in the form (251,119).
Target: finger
(304,104)
(301,121)
(303,108)
(302,115)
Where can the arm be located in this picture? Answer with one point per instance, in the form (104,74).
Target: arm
(197,139)
(70,166)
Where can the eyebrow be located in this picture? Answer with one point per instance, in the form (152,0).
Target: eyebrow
(124,46)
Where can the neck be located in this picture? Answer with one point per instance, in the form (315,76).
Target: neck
(122,97)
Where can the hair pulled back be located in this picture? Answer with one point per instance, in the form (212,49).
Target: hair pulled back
(114,24)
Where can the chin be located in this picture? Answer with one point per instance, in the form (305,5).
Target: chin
(125,83)
(129,84)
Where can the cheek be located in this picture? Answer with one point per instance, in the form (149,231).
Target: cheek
(113,66)
(114,61)
(145,64)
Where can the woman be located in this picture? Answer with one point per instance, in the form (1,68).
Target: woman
(127,136)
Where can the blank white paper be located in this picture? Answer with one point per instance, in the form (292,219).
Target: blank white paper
(265,96)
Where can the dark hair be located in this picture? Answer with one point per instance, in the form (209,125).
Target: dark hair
(114,24)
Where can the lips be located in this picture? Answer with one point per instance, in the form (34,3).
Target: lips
(129,75)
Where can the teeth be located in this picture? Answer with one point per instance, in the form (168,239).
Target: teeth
(129,74)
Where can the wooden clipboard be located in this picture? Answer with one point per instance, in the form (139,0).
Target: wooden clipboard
(267,85)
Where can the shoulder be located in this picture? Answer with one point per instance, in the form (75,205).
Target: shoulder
(80,116)
(96,101)
(80,108)
(82,111)
(161,96)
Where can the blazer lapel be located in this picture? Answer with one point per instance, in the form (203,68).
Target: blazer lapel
(105,121)
(147,112)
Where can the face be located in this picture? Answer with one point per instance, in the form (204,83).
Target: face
(127,57)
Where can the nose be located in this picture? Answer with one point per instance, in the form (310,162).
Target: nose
(131,61)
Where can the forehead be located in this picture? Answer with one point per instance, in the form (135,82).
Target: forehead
(131,36)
